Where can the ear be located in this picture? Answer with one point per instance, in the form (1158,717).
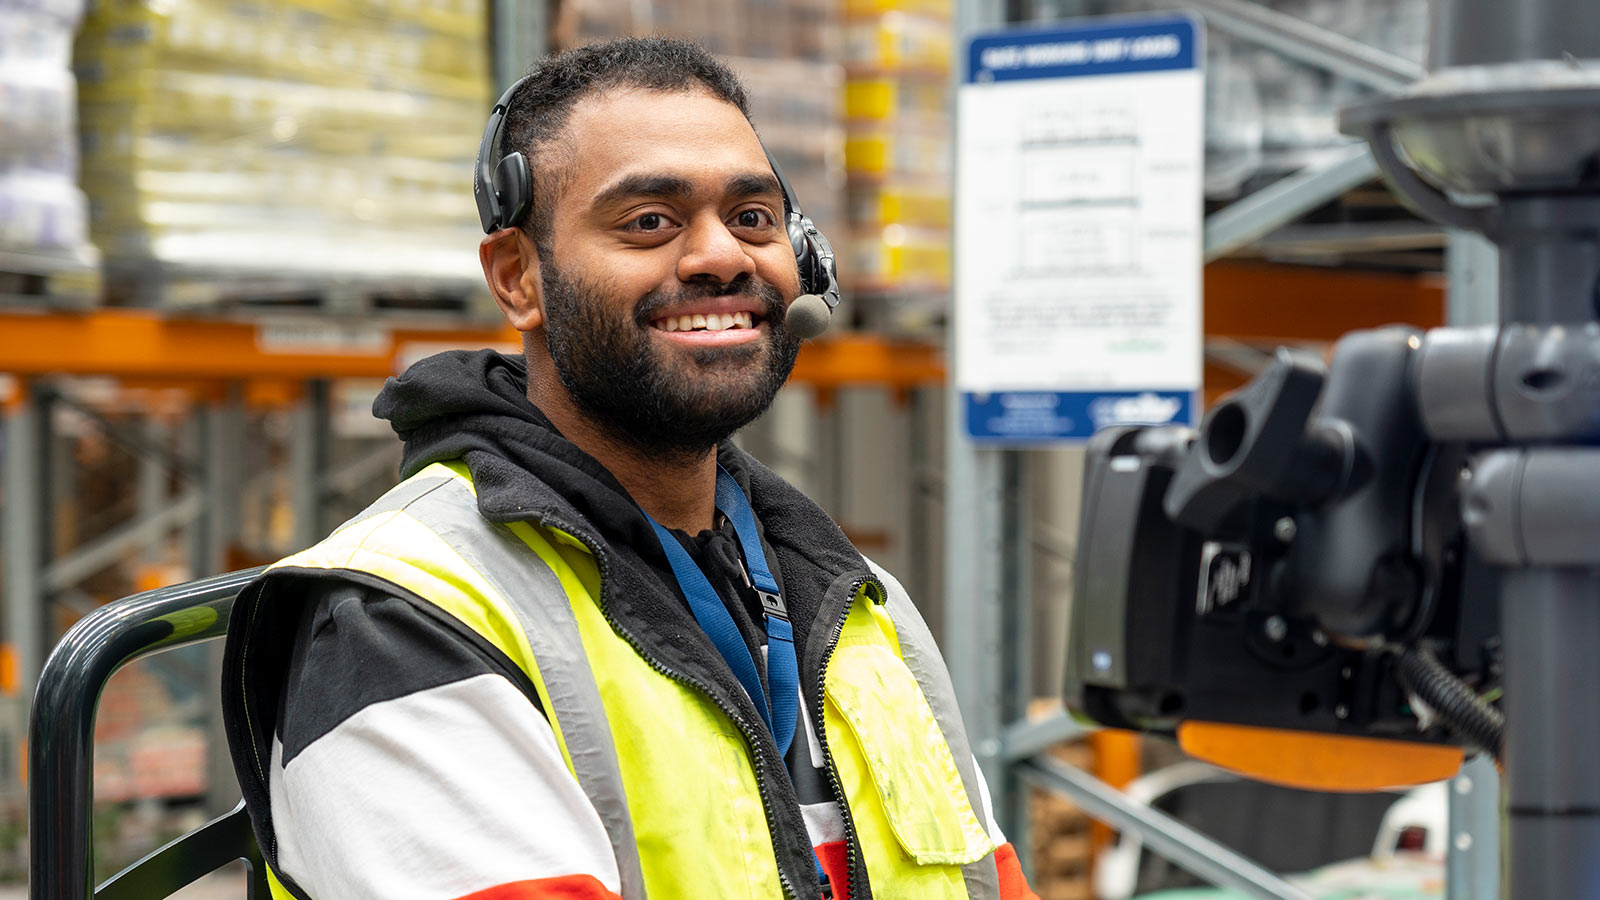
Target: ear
(511,266)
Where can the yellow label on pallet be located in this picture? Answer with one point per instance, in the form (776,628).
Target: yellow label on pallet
(899,256)
(898,40)
(888,204)
(879,153)
(889,98)
(938,8)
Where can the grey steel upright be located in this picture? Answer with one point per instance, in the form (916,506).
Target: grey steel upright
(1511,108)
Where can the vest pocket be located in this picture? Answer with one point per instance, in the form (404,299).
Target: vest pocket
(906,756)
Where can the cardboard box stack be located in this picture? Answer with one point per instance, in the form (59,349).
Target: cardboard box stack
(1060,834)
(786,51)
(42,211)
(898,55)
(290,144)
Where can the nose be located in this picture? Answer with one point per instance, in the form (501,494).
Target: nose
(712,253)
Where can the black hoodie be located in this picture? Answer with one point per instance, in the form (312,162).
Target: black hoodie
(473,407)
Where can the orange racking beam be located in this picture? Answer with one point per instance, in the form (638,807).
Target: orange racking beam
(147,346)
(1260,302)
(861,360)
(1257,302)
(137,343)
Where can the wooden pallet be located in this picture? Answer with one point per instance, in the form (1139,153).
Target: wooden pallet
(171,289)
(49,280)
(1063,850)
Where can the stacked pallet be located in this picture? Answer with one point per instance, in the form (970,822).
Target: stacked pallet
(45,256)
(283,147)
(898,56)
(1061,836)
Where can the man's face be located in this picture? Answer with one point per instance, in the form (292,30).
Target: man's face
(668,270)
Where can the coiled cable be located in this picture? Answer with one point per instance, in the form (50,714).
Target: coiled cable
(1461,710)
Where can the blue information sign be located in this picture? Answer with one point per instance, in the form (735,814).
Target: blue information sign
(1078,229)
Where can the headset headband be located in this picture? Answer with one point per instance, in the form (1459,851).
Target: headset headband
(491,205)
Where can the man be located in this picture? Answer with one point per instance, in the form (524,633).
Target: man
(588,648)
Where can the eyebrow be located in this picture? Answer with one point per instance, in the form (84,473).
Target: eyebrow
(753,185)
(674,187)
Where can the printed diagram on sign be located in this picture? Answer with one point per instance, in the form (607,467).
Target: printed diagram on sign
(1078,180)
(1078,233)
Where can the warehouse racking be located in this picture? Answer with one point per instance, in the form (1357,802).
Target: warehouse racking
(226,352)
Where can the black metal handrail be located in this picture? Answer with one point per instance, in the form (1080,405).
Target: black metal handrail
(61,726)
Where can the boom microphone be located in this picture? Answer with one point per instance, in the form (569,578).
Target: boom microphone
(808,316)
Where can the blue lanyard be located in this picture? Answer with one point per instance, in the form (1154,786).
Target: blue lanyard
(783,671)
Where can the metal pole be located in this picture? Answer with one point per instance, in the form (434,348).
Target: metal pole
(520,38)
(224,476)
(1551,626)
(1285,200)
(23,542)
(920,543)
(1300,40)
(307,460)
(1161,833)
(1472,860)
(1550,619)
(975,554)
(153,488)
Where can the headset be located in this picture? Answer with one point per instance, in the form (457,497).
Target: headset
(503,189)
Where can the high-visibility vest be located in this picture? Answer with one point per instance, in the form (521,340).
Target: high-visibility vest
(671,772)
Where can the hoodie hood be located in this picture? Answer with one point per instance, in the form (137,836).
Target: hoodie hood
(473,406)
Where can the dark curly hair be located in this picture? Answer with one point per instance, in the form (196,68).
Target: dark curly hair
(538,111)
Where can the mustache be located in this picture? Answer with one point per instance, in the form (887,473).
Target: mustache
(653,304)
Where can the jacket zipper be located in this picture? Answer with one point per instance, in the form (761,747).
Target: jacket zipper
(750,738)
(851,841)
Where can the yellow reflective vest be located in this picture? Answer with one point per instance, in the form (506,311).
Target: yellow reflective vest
(687,787)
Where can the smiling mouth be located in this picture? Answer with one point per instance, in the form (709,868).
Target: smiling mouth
(707,322)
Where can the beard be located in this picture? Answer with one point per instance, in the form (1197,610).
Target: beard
(663,403)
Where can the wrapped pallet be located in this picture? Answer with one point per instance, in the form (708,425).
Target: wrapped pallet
(897,56)
(310,150)
(43,217)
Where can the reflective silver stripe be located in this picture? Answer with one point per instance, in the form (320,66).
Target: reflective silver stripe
(399,497)
(541,606)
(922,657)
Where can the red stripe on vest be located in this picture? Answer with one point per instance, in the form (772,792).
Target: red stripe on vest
(562,887)
(1013,884)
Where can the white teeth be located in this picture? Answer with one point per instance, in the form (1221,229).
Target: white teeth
(708,322)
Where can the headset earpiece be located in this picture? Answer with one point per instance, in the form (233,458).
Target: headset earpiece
(512,188)
(501,186)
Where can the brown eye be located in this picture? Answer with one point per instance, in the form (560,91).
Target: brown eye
(752,218)
(648,222)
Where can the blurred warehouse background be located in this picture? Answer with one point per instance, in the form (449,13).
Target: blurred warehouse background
(224,222)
